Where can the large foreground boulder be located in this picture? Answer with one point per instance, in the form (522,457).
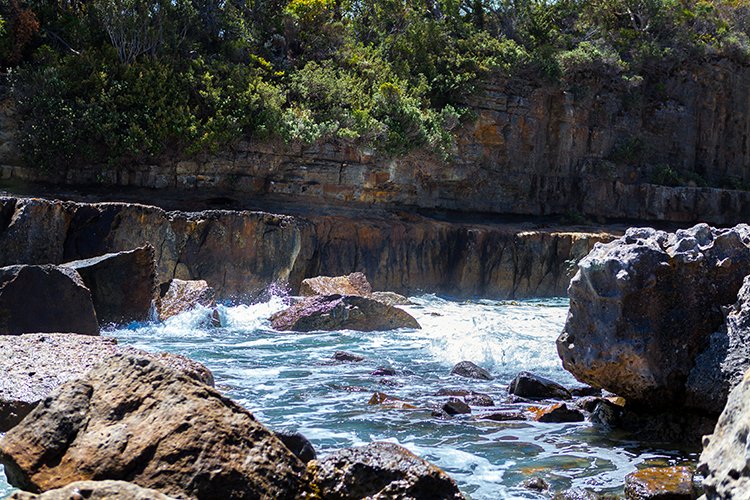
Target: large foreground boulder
(34,364)
(380,470)
(337,312)
(122,284)
(45,298)
(135,419)
(724,461)
(95,490)
(643,307)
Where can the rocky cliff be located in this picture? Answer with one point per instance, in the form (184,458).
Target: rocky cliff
(592,148)
(240,253)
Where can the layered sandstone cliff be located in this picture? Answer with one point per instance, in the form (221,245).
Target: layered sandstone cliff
(531,148)
(240,253)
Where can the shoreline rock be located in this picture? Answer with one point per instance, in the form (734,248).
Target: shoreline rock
(122,284)
(643,308)
(135,419)
(337,312)
(45,298)
(34,365)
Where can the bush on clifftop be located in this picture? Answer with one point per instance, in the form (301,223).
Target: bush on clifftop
(123,81)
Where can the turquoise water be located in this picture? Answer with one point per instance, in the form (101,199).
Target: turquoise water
(289,382)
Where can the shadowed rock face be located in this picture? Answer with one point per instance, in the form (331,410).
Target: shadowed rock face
(137,420)
(34,364)
(723,462)
(380,470)
(123,284)
(643,308)
(44,299)
(240,253)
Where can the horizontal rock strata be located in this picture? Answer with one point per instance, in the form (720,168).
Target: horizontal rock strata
(239,253)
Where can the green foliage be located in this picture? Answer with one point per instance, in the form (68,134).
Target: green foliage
(666,175)
(123,81)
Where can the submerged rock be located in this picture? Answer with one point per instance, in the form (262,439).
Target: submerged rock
(469,369)
(184,295)
(724,461)
(45,298)
(455,406)
(557,413)
(660,483)
(470,397)
(95,490)
(122,284)
(347,357)
(531,386)
(33,365)
(503,416)
(337,312)
(380,470)
(643,307)
(135,419)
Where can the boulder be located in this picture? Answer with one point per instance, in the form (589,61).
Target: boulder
(337,312)
(455,406)
(95,490)
(721,366)
(34,364)
(528,385)
(122,284)
(660,483)
(643,307)
(347,357)
(380,470)
(724,460)
(298,444)
(556,413)
(135,419)
(470,397)
(351,284)
(184,295)
(470,370)
(503,416)
(45,298)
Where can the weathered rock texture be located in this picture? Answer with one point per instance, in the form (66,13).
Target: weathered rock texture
(182,295)
(135,419)
(721,366)
(380,470)
(239,253)
(643,307)
(337,312)
(33,365)
(94,490)
(44,299)
(352,284)
(122,284)
(660,483)
(724,461)
(535,148)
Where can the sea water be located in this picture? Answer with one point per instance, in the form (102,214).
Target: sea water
(289,381)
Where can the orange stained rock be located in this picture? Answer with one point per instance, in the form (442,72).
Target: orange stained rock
(658,482)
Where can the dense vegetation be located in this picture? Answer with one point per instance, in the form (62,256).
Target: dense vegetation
(127,80)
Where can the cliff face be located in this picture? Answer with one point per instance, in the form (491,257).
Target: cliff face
(532,149)
(240,253)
